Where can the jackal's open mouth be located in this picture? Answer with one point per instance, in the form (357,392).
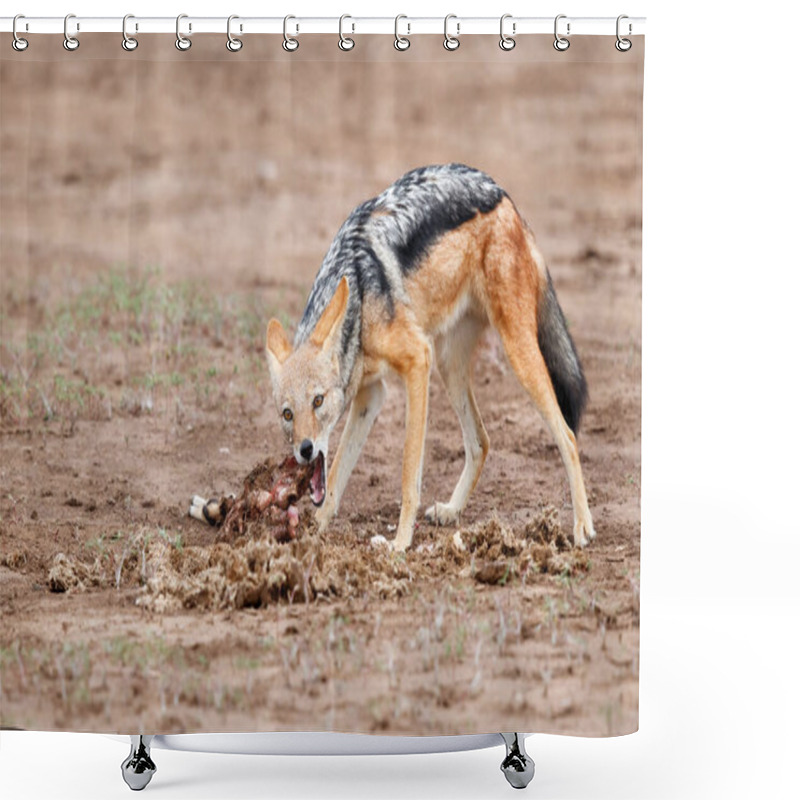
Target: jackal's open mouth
(318,480)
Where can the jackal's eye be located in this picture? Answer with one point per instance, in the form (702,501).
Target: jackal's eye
(287,414)
(318,401)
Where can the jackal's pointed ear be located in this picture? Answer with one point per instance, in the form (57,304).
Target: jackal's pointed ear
(330,323)
(278,347)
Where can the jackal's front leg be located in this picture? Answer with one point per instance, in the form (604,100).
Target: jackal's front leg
(417,379)
(363,410)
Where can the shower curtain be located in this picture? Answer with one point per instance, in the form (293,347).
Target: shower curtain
(203,266)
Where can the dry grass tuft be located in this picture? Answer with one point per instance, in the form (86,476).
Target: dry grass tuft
(499,554)
(70,574)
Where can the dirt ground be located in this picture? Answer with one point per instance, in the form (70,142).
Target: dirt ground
(155,214)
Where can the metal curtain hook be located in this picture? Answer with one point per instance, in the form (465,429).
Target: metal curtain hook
(507,42)
(345,42)
(18,43)
(129,43)
(401,42)
(451,42)
(233,44)
(560,43)
(290,44)
(70,42)
(623,45)
(181,42)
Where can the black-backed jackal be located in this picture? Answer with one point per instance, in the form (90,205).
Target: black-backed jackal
(420,270)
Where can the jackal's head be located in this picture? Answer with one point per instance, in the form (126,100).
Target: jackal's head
(308,388)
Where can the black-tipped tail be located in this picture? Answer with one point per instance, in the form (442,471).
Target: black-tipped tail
(561,358)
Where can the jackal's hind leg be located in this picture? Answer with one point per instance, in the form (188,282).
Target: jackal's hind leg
(523,352)
(453,359)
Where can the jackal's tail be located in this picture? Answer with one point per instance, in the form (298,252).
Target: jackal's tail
(561,357)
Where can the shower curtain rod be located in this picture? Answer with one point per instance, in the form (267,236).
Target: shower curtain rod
(406,26)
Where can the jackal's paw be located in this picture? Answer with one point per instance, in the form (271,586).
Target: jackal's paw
(442,514)
(380,541)
(324,515)
(583,532)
